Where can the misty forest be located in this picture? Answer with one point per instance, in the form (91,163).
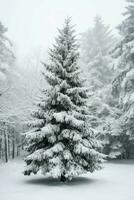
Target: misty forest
(68,111)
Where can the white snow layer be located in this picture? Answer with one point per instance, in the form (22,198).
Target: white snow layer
(114,182)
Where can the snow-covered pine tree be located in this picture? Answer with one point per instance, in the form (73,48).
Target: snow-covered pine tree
(8,76)
(97,62)
(97,43)
(123,87)
(6,54)
(61,143)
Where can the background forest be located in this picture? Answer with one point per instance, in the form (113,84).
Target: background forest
(107,65)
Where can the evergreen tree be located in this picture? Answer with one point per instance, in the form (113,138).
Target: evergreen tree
(6,54)
(95,54)
(123,86)
(96,45)
(9,133)
(61,142)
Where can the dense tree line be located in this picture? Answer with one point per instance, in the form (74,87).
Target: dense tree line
(109,63)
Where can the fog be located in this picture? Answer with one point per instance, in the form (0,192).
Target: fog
(33,24)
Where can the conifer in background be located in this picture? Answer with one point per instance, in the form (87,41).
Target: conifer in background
(96,45)
(97,62)
(7,57)
(122,145)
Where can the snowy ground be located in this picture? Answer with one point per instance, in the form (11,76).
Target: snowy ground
(114,182)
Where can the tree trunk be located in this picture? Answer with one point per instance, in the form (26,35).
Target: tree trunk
(13,148)
(6,148)
(0,149)
(63,178)
(18,150)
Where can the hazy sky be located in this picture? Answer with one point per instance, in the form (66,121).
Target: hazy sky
(33,23)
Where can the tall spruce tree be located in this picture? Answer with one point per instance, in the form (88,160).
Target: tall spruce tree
(123,87)
(97,43)
(61,143)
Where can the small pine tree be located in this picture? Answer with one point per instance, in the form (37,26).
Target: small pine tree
(123,86)
(61,143)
